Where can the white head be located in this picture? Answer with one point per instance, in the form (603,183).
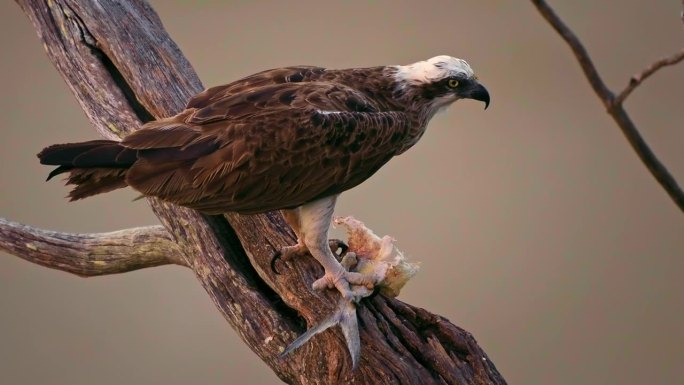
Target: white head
(438,82)
(431,70)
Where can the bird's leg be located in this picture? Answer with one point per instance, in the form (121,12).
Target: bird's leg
(314,220)
(292,218)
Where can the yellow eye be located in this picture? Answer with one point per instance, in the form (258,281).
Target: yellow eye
(453,83)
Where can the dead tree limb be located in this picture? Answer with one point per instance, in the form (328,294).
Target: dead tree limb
(89,255)
(614,105)
(125,70)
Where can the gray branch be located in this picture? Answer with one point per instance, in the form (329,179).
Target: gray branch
(88,255)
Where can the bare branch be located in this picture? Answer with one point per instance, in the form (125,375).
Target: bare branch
(88,255)
(637,79)
(615,110)
(578,49)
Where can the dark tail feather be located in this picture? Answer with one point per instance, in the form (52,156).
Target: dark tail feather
(95,167)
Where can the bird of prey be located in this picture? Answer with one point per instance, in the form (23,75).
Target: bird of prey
(289,139)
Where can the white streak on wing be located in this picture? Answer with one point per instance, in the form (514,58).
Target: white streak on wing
(328,112)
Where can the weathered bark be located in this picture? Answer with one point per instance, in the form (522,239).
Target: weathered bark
(124,70)
(88,255)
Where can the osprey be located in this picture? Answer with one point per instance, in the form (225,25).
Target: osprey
(289,139)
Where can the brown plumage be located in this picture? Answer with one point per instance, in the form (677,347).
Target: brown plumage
(290,138)
(262,143)
(275,139)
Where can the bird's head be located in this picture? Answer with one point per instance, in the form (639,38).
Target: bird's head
(438,82)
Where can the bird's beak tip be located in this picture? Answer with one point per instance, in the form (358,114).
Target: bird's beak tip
(480,93)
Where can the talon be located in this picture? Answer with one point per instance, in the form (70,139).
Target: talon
(288,252)
(325,282)
(278,254)
(344,281)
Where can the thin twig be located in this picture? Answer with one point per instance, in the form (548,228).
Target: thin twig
(616,110)
(88,255)
(637,79)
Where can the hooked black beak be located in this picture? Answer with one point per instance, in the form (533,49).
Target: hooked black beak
(479,92)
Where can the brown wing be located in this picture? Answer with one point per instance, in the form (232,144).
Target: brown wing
(275,146)
(293,74)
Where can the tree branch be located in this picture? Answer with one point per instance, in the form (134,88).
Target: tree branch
(88,255)
(637,79)
(124,70)
(614,105)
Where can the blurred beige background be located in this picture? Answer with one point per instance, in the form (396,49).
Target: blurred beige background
(538,229)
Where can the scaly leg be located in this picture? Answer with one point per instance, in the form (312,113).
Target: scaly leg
(292,217)
(314,221)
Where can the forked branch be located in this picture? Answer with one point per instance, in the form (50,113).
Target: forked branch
(614,105)
(88,255)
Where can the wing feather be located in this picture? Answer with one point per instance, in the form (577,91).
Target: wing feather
(265,147)
(171,132)
(293,74)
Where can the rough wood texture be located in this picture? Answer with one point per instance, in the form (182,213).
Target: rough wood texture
(124,69)
(88,255)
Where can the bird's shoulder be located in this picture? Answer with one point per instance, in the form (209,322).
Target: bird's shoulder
(283,100)
(266,146)
(293,74)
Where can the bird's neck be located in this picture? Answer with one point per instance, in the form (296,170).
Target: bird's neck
(371,81)
(381,86)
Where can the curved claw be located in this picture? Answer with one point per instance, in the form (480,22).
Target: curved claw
(352,285)
(335,244)
(276,257)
